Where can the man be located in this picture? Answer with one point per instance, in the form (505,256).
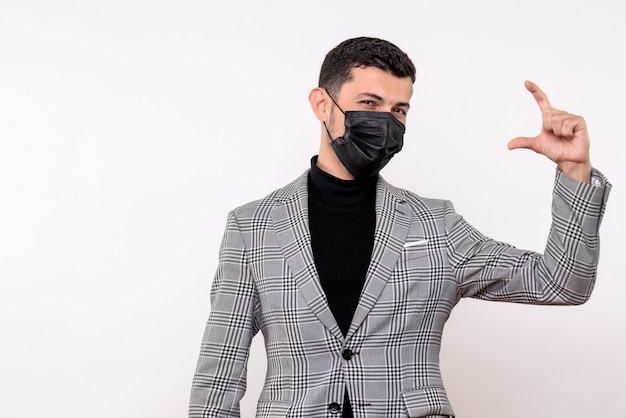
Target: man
(351,279)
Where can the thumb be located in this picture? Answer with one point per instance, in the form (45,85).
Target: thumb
(523,142)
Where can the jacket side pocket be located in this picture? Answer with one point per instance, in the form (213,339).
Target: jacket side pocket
(428,400)
(273,409)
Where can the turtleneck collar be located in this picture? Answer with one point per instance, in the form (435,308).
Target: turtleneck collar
(329,188)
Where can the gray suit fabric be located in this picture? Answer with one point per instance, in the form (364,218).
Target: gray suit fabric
(426,257)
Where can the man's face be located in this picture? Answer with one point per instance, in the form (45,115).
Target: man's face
(371,89)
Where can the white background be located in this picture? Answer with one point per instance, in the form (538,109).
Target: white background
(128,129)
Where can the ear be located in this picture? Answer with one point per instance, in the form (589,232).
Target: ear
(319,104)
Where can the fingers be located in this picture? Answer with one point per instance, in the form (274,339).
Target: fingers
(559,122)
(563,137)
(563,124)
(540,97)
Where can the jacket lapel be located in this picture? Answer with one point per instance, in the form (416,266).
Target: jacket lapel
(291,223)
(393,221)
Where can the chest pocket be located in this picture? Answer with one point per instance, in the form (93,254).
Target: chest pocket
(415,248)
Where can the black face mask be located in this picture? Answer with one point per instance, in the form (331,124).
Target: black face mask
(370,140)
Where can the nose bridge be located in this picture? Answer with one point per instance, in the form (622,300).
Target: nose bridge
(386,106)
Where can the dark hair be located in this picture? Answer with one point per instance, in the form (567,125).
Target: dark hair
(363,52)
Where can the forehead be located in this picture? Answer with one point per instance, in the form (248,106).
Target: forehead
(379,82)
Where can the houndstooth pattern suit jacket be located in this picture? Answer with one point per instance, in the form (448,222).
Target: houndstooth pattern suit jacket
(425,258)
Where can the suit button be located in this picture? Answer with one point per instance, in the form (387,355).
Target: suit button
(347,354)
(334,408)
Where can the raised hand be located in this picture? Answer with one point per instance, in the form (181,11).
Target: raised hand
(563,138)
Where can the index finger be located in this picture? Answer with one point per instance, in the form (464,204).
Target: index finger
(538,94)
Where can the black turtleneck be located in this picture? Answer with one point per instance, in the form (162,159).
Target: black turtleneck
(341,220)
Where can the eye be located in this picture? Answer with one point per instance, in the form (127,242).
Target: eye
(368,103)
(399,111)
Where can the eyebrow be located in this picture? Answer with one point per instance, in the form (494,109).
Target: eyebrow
(377,97)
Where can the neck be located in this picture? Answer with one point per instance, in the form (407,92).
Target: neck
(327,161)
(324,187)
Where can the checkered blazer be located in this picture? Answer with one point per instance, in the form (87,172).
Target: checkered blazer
(425,258)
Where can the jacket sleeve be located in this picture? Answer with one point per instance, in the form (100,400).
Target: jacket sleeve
(563,275)
(220,379)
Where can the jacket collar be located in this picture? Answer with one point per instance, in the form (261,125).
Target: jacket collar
(291,224)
